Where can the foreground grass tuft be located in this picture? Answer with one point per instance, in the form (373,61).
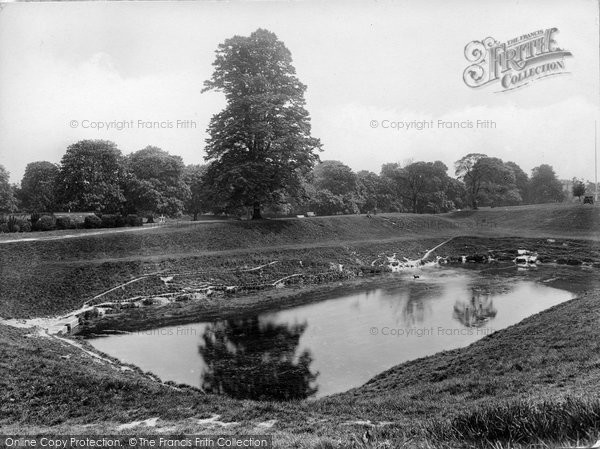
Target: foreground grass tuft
(523,422)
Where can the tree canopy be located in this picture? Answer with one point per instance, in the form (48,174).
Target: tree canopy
(198,201)
(488,180)
(260,147)
(8,202)
(155,182)
(544,186)
(38,186)
(423,184)
(91,176)
(521,180)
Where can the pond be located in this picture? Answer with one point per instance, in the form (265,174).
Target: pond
(338,343)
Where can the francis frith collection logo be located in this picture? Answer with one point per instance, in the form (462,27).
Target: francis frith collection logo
(516,62)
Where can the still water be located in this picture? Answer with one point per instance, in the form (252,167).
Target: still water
(336,344)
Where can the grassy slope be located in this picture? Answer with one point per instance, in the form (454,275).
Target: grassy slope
(574,219)
(548,355)
(61,274)
(551,356)
(54,276)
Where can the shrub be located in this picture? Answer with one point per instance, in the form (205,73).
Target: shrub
(25,226)
(108,221)
(34,218)
(120,221)
(3,227)
(64,223)
(134,220)
(13,224)
(92,221)
(45,223)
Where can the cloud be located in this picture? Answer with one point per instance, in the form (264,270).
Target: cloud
(45,102)
(559,134)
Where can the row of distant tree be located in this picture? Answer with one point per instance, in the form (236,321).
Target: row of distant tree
(262,158)
(426,187)
(94,175)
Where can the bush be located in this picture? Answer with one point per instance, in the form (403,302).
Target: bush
(134,220)
(108,221)
(45,223)
(4,227)
(13,224)
(25,226)
(34,218)
(92,221)
(120,221)
(113,221)
(64,223)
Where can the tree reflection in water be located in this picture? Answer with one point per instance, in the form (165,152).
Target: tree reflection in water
(477,311)
(252,359)
(415,308)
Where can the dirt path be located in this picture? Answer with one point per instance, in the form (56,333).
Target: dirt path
(105,231)
(73,236)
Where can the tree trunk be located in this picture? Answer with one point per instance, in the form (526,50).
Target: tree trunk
(195,216)
(256,212)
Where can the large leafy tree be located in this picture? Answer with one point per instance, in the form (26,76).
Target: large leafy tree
(423,183)
(198,201)
(336,177)
(155,182)
(334,189)
(544,185)
(391,177)
(90,177)
(521,180)
(455,191)
(38,186)
(499,183)
(373,192)
(488,180)
(260,146)
(8,202)
(467,171)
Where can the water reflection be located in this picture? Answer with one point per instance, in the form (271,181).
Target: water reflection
(411,305)
(256,359)
(475,312)
(325,347)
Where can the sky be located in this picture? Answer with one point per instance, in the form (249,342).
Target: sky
(368,66)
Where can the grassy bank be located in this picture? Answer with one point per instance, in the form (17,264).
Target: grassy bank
(49,288)
(537,380)
(465,396)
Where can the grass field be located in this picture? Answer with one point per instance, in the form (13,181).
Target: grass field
(537,380)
